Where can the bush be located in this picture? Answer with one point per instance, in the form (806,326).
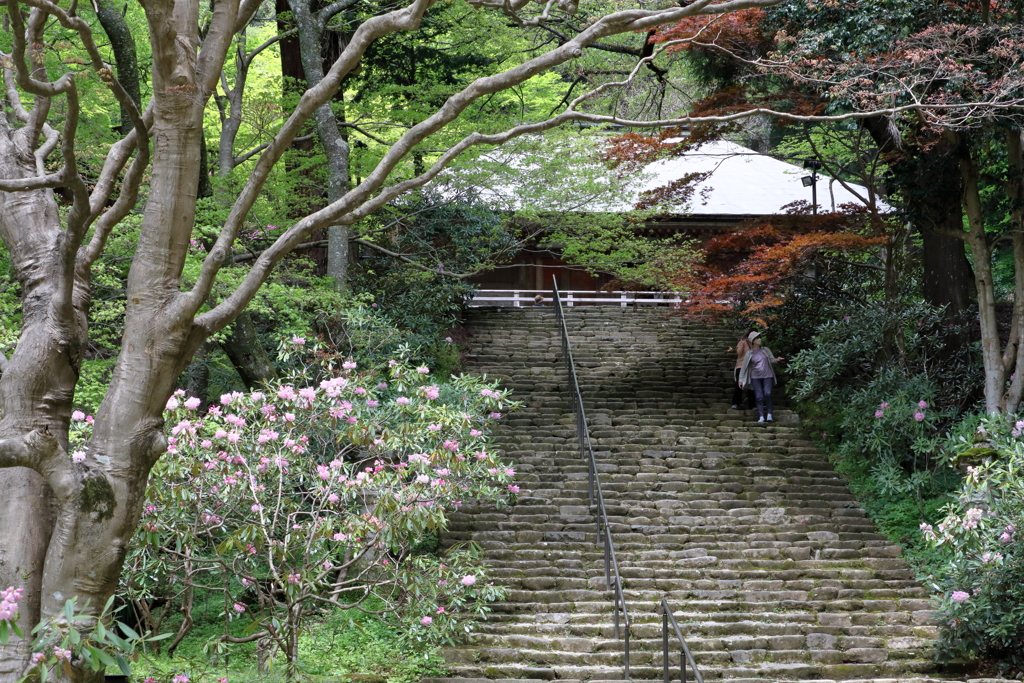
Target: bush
(881,417)
(980,586)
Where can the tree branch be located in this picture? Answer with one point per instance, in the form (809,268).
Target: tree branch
(259,148)
(415,264)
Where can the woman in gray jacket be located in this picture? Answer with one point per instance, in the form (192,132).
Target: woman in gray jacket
(758,370)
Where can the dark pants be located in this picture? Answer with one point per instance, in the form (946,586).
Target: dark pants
(737,392)
(763,392)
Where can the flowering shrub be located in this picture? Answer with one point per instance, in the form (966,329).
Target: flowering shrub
(72,636)
(296,498)
(980,588)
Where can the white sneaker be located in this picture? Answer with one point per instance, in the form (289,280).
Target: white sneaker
(769,417)
(733,406)
(761,419)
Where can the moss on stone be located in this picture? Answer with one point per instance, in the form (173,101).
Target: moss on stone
(98,497)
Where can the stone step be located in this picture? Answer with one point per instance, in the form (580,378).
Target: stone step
(745,525)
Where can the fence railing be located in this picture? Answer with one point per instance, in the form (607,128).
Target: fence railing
(526,297)
(684,655)
(612,578)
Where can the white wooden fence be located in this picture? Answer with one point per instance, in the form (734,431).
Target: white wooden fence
(525,297)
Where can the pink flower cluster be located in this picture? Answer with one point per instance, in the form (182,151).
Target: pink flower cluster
(960,596)
(9,600)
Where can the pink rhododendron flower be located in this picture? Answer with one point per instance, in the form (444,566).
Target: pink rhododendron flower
(78,416)
(475,432)
(426,621)
(402,401)
(238,607)
(432,392)
(172,403)
(78,456)
(206,443)
(359,391)
(468,580)
(299,341)
(65,656)
(286,393)
(333,498)
(960,596)
(180,678)
(918,416)
(434,427)
(879,413)
(37,658)
(423,370)
(192,403)
(349,365)
(495,416)
(513,488)
(294,579)
(922,404)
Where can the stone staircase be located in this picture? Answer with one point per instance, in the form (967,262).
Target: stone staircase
(773,570)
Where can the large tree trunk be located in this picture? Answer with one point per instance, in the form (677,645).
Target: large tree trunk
(981,250)
(930,181)
(336,148)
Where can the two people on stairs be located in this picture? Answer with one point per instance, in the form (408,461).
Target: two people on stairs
(756,369)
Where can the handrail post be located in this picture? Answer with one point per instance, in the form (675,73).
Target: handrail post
(664,642)
(626,654)
(615,602)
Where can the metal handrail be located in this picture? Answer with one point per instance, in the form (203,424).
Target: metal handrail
(684,655)
(612,578)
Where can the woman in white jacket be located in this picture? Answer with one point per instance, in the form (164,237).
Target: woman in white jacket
(758,370)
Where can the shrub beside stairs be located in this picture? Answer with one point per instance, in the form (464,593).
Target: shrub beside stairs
(773,570)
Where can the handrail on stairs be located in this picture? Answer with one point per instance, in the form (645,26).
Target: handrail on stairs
(684,655)
(612,578)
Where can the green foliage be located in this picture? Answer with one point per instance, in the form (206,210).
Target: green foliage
(877,383)
(93,643)
(342,645)
(980,584)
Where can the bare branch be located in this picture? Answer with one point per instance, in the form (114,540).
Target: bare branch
(117,156)
(413,263)
(259,148)
(125,201)
(329,12)
(35,183)
(246,10)
(248,57)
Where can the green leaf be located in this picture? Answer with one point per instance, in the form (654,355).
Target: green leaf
(69,610)
(123,664)
(105,657)
(4,635)
(128,631)
(162,636)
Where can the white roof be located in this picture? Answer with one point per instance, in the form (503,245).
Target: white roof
(566,175)
(743,182)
